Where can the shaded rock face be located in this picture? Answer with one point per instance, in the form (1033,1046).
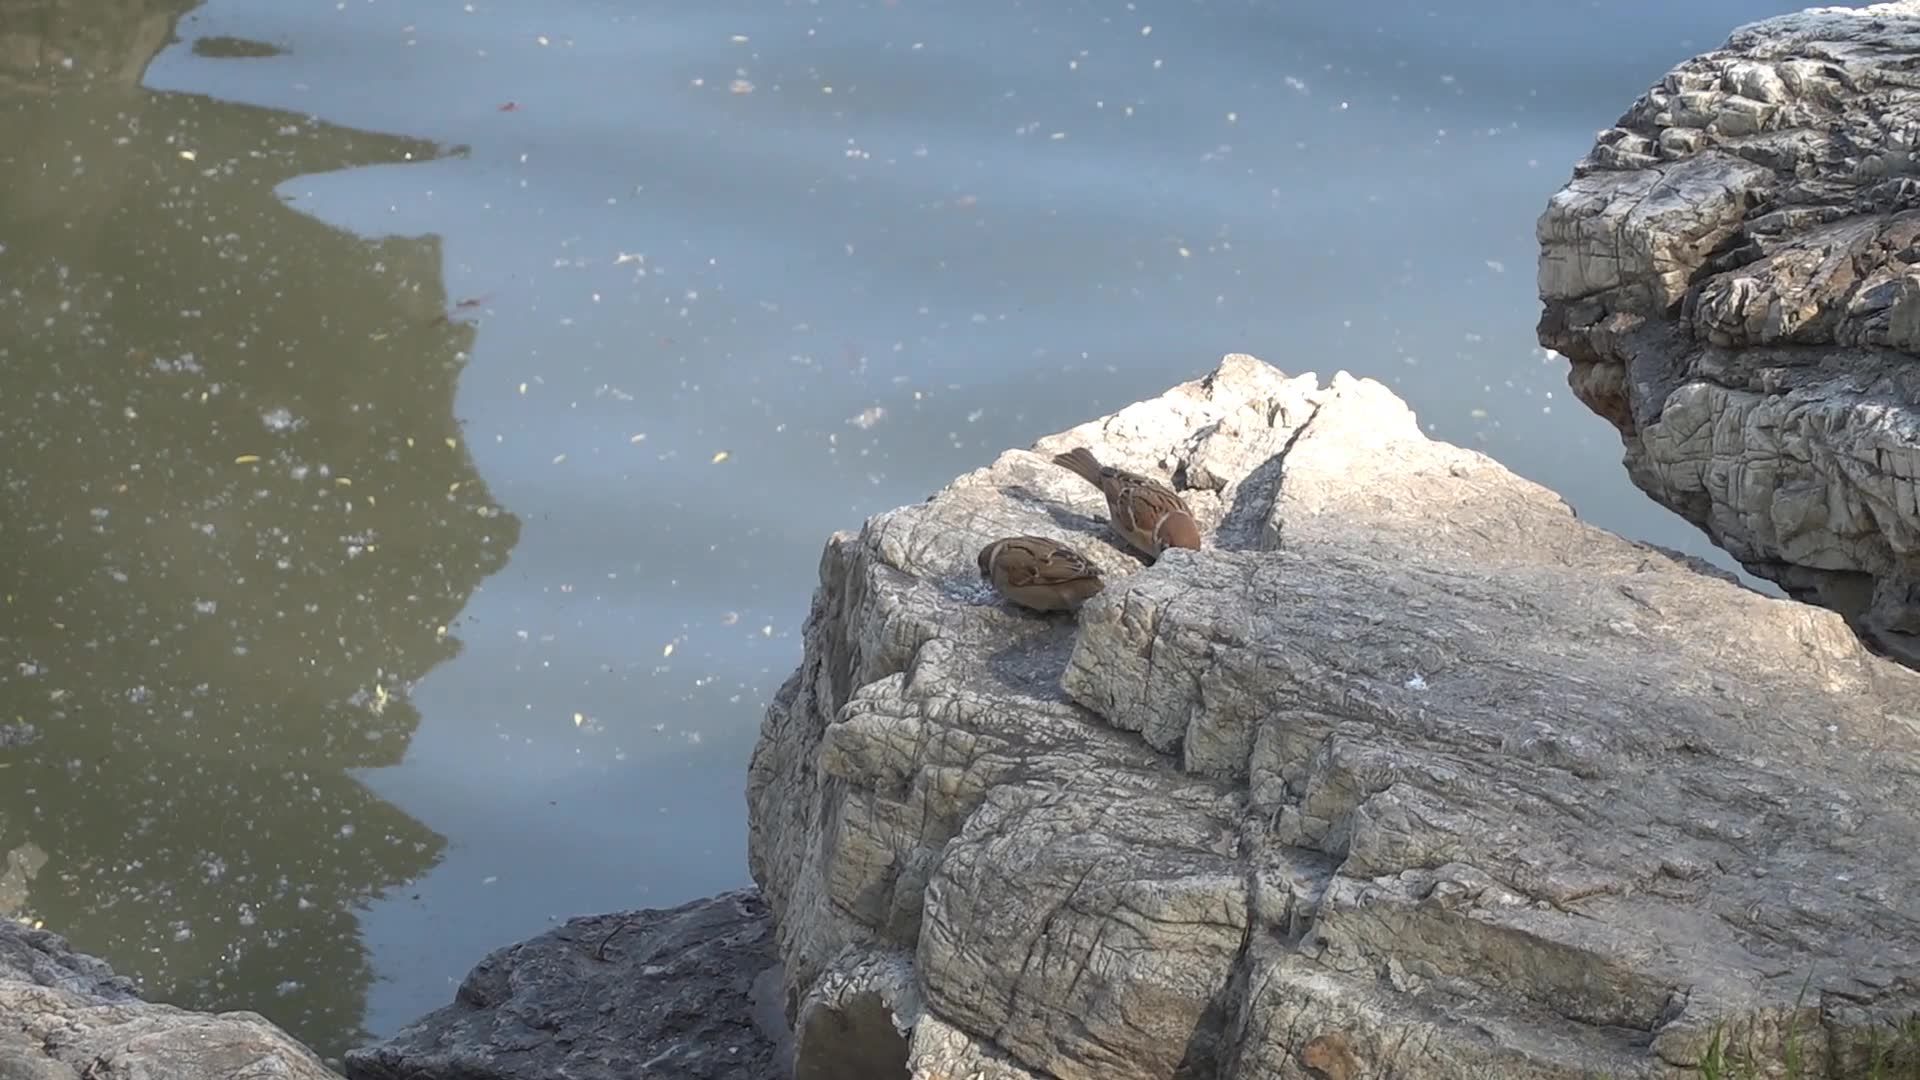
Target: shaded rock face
(1408,773)
(667,995)
(65,1016)
(1734,273)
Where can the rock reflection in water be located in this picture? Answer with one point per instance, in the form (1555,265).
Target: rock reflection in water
(237,519)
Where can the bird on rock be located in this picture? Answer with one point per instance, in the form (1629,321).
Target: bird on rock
(1145,512)
(1039,573)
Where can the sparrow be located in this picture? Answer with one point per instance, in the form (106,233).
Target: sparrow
(1039,573)
(1145,512)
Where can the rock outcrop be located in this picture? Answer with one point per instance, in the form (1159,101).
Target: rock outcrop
(67,1016)
(665,995)
(688,993)
(1734,273)
(1409,773)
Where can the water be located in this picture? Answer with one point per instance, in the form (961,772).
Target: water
(376,590)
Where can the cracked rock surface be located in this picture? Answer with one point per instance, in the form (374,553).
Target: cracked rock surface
(1734,274)
(67,1016)
(665,994)
(1408,773)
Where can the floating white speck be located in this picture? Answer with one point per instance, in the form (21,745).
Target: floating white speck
(1416,683)
(668,651)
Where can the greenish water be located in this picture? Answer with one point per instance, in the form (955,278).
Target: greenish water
(376,590)
(239,517)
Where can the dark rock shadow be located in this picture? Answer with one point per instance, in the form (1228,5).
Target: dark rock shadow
(857,1040)
(1243,527)
(1032,663)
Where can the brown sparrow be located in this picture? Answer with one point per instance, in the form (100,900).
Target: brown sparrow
(1039,573)
(1145,512)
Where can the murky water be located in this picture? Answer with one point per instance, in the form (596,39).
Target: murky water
(421,420)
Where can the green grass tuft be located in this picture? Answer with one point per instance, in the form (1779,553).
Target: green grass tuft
(1893,1053)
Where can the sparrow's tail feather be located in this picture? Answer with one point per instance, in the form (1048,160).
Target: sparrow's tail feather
(1081,461)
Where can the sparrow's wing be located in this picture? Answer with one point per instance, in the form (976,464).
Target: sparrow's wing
(1042,562)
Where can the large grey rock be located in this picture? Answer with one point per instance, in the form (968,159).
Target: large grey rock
(1409,773)
(1734,273)
(67,1016)
(665,995)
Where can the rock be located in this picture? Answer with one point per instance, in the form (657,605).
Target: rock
(666,995)
(64,1015)
(1409,773)
(1734,274)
